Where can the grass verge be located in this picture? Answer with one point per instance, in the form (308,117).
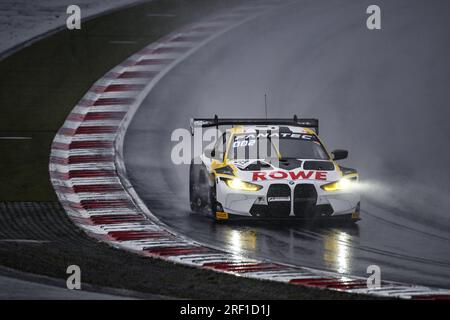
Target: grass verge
(41,83)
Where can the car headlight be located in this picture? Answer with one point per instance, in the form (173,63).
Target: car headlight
(238,184)
(343,184)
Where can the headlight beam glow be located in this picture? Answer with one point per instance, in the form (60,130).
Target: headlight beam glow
(238,184)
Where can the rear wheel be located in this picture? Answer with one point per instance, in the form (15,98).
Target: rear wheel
(201,193)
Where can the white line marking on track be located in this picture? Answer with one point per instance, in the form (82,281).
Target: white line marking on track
(15,138)
(25,241)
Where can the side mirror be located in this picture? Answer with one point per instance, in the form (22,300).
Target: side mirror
(211,153)
(339,154)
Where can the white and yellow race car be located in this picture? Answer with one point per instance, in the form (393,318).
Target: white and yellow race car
(271,169)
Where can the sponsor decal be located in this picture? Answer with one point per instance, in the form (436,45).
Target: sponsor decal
(293,175)
(220,215)
(274,134)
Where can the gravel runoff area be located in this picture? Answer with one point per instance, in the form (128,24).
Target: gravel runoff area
(40,85)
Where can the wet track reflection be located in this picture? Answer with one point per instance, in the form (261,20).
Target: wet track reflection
(335,245)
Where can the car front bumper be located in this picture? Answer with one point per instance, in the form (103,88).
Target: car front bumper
(287,200)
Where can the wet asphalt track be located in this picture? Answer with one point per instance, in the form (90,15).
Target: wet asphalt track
(383,95)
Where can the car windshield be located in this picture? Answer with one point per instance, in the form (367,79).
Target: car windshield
(265,146)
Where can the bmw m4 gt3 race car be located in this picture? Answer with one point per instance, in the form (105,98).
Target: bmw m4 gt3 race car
(271,169)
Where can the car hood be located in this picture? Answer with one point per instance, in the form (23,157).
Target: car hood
(286,169)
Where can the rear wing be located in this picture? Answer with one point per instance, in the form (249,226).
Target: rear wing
(216,122)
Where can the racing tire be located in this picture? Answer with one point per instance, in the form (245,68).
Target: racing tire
(201,195)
